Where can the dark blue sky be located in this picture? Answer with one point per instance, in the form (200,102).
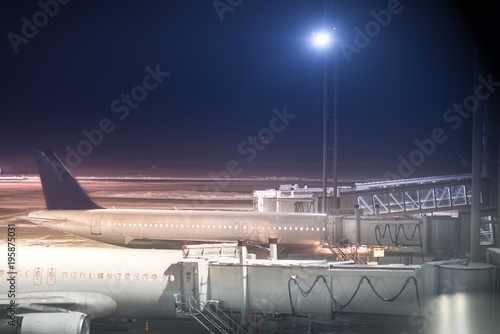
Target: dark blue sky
(225,77)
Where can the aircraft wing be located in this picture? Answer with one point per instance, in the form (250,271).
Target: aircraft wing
(93,304)
(40,303)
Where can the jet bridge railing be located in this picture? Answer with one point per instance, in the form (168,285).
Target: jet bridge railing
(425,198)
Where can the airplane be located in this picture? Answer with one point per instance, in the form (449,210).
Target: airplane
(60,290)
(69,209)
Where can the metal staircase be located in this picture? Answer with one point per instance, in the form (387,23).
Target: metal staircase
(210,317)
(346,252)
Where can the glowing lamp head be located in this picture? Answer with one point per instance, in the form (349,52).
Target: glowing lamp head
(321,39)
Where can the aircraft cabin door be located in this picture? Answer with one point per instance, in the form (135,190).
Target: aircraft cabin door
(95,224)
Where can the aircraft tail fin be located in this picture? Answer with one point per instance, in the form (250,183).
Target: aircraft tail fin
(61,190)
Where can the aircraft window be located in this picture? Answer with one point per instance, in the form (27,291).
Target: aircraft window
(150,225)
(82,275)
(252,227)
(153,277)
(285,228)
(269,227)
(213,226)
(140,225)
(176,225)
(64,274)
(145,277)
(317,229)
(127,277)
(109,276)
(307,228)
(323,229)
(274,228)
(91,275)
(220,226)
(279,228)
(182,225)
(197,226)
(208,226)
(301,228)
(114,224)
(130,224)
(119,224)
(164,277)
(19,273)
(28,273)
(224,226)
(193,226)
(172,278)
(156,225)
(2,272)
(135,224)
(73,275)
(52,274)
(100,276)
(118,277)
(38,273)
(136,277)
(161,225)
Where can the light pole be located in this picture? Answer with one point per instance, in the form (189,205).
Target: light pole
(335,132)
(322,40)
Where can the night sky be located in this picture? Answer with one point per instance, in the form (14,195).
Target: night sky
(193,80)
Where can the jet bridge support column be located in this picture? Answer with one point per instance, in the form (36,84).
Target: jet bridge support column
(242,248)
(273,248)
(357,216)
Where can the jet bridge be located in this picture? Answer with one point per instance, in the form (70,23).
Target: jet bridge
(381,198)
(411,196)
(239,287)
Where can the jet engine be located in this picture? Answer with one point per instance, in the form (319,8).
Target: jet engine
(60,323)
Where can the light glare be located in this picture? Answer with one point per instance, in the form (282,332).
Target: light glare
(321,39)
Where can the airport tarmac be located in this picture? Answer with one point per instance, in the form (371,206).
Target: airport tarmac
(19,196)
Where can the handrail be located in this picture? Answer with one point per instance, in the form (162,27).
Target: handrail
(216,319)
(228,318)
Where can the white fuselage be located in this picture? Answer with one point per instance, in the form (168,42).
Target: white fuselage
(100,282)
(296,232)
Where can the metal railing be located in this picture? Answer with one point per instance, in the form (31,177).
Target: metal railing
(212,321)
